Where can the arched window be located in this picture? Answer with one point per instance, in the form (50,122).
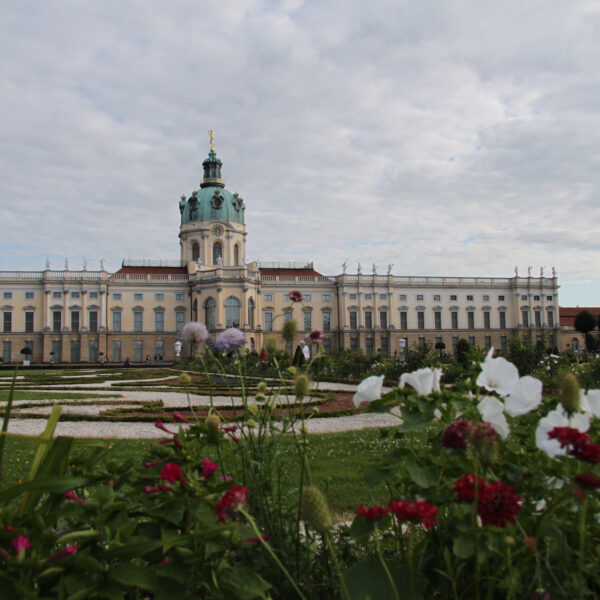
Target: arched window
(217,252)
(232,312)
(250,313)
(575,344)
(236,255)
(210,313)
(195,251)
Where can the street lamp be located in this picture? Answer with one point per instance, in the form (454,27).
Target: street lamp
(178,345)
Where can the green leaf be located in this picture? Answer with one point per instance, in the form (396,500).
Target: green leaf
(463,546)
(242,583)
(77,535)
(415,419)
(47,485)
(362,529)
(134,575)
(424,477)
(368,580)
(375,474)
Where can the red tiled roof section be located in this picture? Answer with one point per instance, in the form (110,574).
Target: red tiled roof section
(299,272)
(568,313)
(151,270)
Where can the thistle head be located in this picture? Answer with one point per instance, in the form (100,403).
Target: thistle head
(568,393)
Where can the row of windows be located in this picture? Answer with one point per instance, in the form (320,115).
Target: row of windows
(453,297)
(158,297)
(180,297)
(307,297)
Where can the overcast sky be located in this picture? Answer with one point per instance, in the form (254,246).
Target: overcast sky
(444,137)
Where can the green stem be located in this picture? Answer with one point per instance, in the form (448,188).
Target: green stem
(7,411)
(385,567)
(270,551)
(582,534)
(337,566)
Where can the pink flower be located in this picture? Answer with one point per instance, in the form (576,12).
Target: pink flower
(377,513)
(180,418)
(66,551)
(230,340)
(296,296)
(71,496)
(231,501)
(208,468)
(194,332)
(172,473)
(160,425)
(21,543)
(316,336)
(226,478)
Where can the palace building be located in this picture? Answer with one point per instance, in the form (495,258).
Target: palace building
(81,316)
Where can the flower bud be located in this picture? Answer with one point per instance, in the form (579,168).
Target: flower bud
(485,441)
(184,379)
(315,509)
(251,423)
(252,408)
(262,386)
(289,330)
(291,370)
(315,410)
(271,345)
(568,393)
(260,397)
(301,385)
(212,422)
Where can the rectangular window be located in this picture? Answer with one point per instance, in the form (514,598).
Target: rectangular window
(525,318)
(29,344)
(550,318)
(307,320)
(421,342)
(159,297)
(551,341)
(7,322)
(179,319)
(488,342)
(524,297)
(75,351)
(436,297)
(470,298)
(454,344)
(93,350)
(383,296)
(75,295)
(383,320)
(403,319)
(307,297)
(369,346)
(327,345)
(116,321)
(421,319)
(138,351)
(57,295)
(57,351)
(326,320)
(75,320)
(536,298)
(56,320)
(353,319)
(179,297)
(538,318)
(472,341)
(419,296)
(385,346)
(503,344)
(6,352)
(117,296)
(159,320)
(454,319)
(368,319)
(268,297)
(287,315)
(29,295)
(93,316)
(354,344)
(502,319)
(138,320)
(486,298)
(501,298)
(159,349)
(470,319)
(268,320)
(437,315)
(368,296)
(116,351)
(549,298)
(7,295)
(29,320)
(402,297)
(438,340)
(138,297)
(94,295)
(486,320)
(453,297)
(352,296)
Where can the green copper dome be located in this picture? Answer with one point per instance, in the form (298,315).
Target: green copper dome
(212,202)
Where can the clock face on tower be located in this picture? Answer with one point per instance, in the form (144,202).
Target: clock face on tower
(218,230)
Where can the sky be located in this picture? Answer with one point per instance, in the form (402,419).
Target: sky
(443,137)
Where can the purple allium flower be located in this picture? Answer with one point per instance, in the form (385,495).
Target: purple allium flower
(316,336)
(194,332)
(230,340)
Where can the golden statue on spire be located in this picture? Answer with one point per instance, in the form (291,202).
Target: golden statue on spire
(211,133)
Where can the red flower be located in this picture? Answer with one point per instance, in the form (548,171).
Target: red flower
(208,468)
(456,435)
(179,417)
(71,496)
(149,465)
(232,500)
(160,425)
(587,451)
(171,472)
(66,551)
(415,510)
(296,296)
(587,480)
(373,514)
(581,447)
(498,504)
(316,336)
(161,488)
(21,543)
(465,487)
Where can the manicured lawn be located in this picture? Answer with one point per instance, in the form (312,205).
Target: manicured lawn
(31,395)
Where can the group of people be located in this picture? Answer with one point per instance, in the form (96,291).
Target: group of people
(158,360)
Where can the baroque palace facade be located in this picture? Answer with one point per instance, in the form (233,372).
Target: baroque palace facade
(81,316)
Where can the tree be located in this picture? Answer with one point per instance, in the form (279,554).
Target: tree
(584,323)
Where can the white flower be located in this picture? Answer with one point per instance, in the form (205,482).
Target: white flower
(368,390)
(558,418)
(525,396)
(492,411)
(590,402)
(497,375)
(424,381)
